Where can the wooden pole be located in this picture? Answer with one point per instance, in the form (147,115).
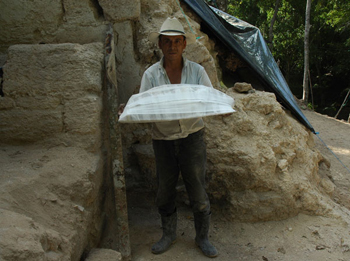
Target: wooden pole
(306,52)
(117,236)
(341,107)
(312,94)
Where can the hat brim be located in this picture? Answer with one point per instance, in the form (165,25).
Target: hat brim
(154,37)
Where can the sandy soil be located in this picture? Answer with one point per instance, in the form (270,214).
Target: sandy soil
(299,238)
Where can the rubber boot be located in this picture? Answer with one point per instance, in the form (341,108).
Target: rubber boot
(202,223)
(169,234)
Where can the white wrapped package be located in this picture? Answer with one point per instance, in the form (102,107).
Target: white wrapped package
(176,102)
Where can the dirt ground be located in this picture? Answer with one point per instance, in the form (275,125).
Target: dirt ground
(299,238)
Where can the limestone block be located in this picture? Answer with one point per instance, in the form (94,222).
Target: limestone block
(19,125)
(38,103)
(62,202)
(63,70)
(81,12)
(242,87)
(50,21)
(82,115)
(98,254)
(158,9)
(6,103)
(24,21)
(21,238)
(128,69)
(55,92)
(70,33)
(121,10)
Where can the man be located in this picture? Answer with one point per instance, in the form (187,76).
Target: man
(178,145)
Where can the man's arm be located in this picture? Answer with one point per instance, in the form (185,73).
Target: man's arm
(204,78)
(146,82)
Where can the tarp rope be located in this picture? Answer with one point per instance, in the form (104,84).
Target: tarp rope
(186,19)
(332,152)
(347,98)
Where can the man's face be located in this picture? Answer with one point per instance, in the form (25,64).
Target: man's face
(172,46)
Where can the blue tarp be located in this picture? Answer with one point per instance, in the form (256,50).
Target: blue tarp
(247,42)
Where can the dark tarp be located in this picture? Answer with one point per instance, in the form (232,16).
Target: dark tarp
(247,42)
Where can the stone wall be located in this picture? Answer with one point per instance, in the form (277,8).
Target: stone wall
(52,56)
(52,94)
(86,21)
(52,165)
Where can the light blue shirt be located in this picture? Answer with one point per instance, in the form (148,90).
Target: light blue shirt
(192,73)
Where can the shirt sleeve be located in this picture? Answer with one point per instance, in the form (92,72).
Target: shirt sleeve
(204,78)
(146,82)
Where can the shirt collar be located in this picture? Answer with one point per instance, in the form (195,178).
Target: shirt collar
(161,62)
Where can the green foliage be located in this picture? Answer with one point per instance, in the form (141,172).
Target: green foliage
(329,42)
(311,107)
(331,108)
(289,38)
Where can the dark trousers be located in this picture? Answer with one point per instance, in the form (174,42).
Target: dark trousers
(188,157)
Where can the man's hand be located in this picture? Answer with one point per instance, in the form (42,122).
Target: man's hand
(227,114)
(121,109)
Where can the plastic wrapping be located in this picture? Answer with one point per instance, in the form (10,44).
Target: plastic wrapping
(176,102)
(247,41)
